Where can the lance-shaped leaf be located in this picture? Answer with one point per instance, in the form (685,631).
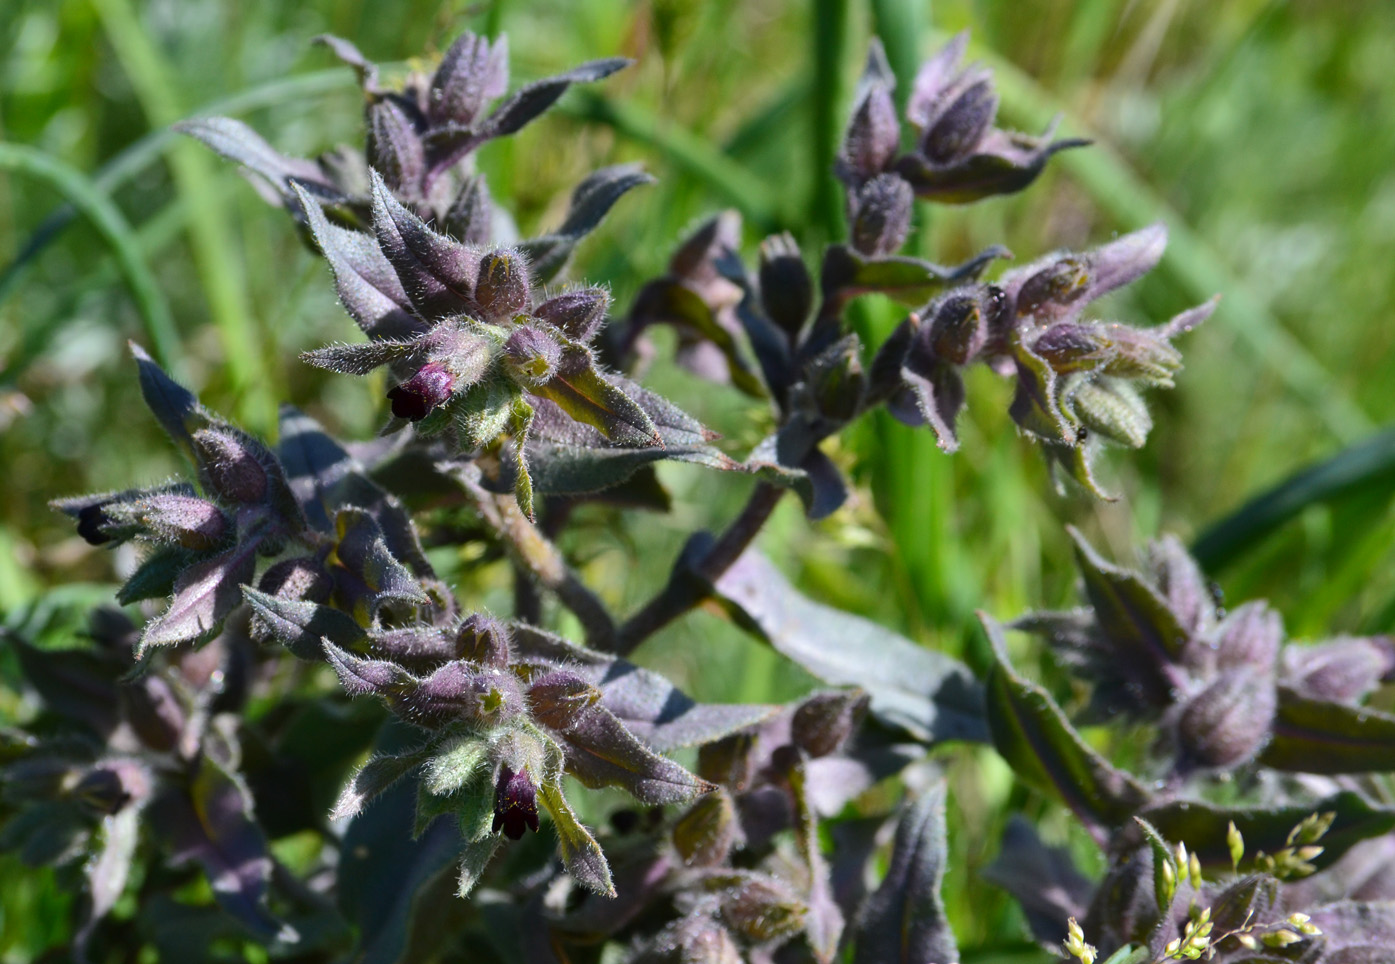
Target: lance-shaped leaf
(591,201)
(364,554)
(211,822)
(78,684)
(1318,736)
(360,359)
(437,273)
(823,924)
(154,577)
(1045,881)
(301,625)
(174,406)
(1130,612)
(204,595)
(580,390)
(926,693)
(938,391)
(1039,743)
(373,778)
(581,855)
(110,868)
(905,919)
(368,286)
(650,706)
(276,172)
(791,459)
(1205,826)
(847,274)
(601,752)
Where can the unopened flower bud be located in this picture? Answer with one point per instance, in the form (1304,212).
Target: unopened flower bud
(459,691)
(786,289)
(100,790)
(1249,638)
(578,313)
(762,908)
(229,466)
(515,803)
(171,518)
(824,722)
(532,355)
(414,399)
(301,578)
(502,288)
(483,640)
(1070,346)
(957,330)
(1049,293)
(727,761)
(837,380)
(881,215)
(706,833)
(961,125)
(395,148)
(695,939)
(874,135)
(557,698)
(1343,670)
(1228,722)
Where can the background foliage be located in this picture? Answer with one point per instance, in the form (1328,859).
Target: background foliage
(1250,127)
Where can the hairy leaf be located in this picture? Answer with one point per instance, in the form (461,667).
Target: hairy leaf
(372,779)
(204,595)
(1317,736)
(591,200)
(581,855)
(602,752)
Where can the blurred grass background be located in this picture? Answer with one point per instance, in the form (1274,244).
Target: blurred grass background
(1258,130)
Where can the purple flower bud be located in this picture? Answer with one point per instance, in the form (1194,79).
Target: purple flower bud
(705,834)
(1070,346)
(762,908)
(873,136)
(579,313)
(1228,722)
(694,939)
(837,380)
(461,691)
(1184,586)
(881,215)
(824,722)
(1249,638)
(532,355)
(483,640)
(472,73)
(1053,291)
(414,399)
(515,803)
(962,124)
(395,148)
(1342,671)
(502,288)
(229,466)
(170,518)
(557,698)
(957,330)
(728,761)
(92,522)
(786,289)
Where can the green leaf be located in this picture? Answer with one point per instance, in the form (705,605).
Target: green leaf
(373,778)
(1317,736)
(911,281)
(926,693)
(1039,743)
(581,855)
(1130,612)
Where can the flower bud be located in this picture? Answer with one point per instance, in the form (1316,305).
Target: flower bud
(502,288)
(1069,346)
(1228,722)
(472,73)
(483,640)
(695,939)
(229,466)
(957,330)
(170,518)
(961,126)
(414,399)
(1344,670)
(837,380)
(760,907)
(578,313)
(1249,638)
(728,761)
(459,691)
(395,148)
(515,803)
(532,355)
(100,791)
(786,289)
(881,215)
(1113,409)
(557,698)
(824,722)
(873,136)
(300,578)
(706,833)
(1052,291)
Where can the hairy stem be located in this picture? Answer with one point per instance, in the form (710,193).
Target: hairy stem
(692,579)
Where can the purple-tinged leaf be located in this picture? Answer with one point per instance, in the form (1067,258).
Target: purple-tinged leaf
(301,625)
(1033,735)
(847,274)
(926,693)
(365,280)
(938,391)
(532,99)
(276,173)
(364,553)
(204,595)
(1355,932)
(824,922)
(904,920)
(174,406)
(1044,880)
(154,577)
(1204,826)
(591,201)
(78,684)
(671,301)
(580,390)
(705,834)
(581,855)
(437,272)
(211,822)
(790,459)
(1035,403)
(351,56)
(651,707)
(602,752)
(1318,736)
(472,73)
(395,149)
(372,779)
(108,871)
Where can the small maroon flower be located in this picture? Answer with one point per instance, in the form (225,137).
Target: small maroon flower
(92,523)
(417,396)
(515,803)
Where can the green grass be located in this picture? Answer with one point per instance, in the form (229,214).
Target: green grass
(1254,129)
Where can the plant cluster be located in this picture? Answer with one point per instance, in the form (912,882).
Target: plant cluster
(307,633)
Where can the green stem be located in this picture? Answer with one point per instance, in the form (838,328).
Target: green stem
(825,104)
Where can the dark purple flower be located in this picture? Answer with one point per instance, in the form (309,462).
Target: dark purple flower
(515,803)
(415,398)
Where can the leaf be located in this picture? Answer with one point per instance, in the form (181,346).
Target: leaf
(302,626)
(108,871)
(792,459)
(1130,612)
(204,595)
(1035,405)
(601,752)
(1317,736)
(1203,826)
(174,406)
(1045,881)
(582,392)
(670,301)
(78,684)
(651,707)
(590,202)
(372,779)
(237,142)
(904,919)
(1038,742)
(847,274)
(437,273)
(211,822)
(368,286)
(532,99)
(581,855)
(930,695)
(938,390)
(364,553)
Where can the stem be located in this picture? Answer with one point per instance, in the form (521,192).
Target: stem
(691,583)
